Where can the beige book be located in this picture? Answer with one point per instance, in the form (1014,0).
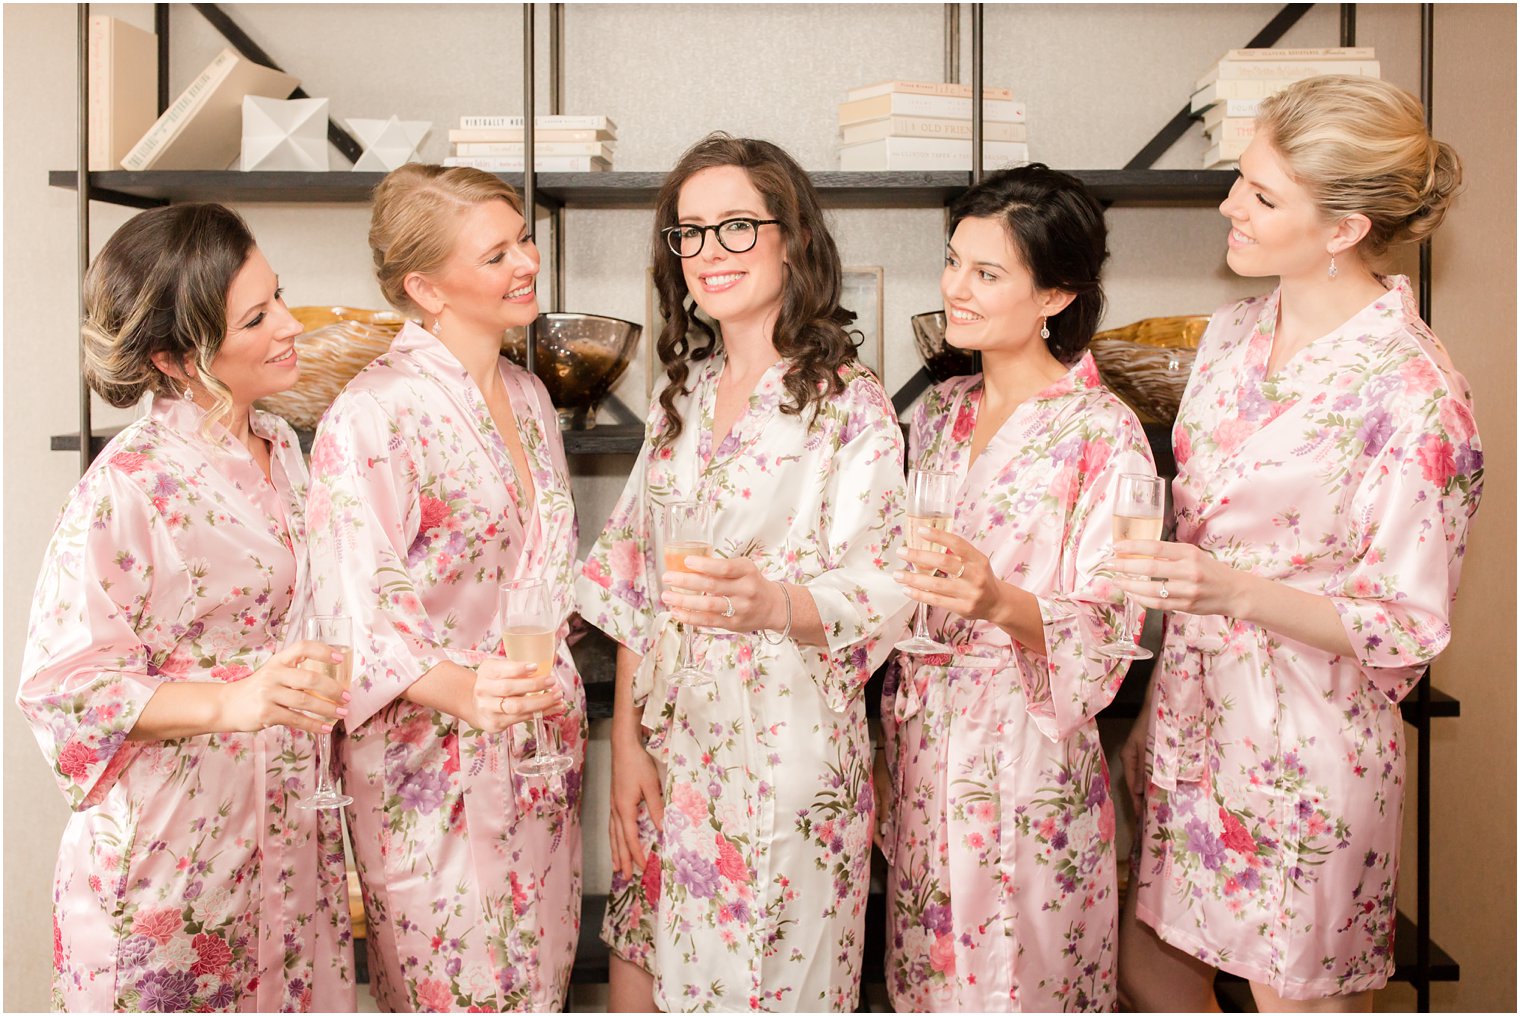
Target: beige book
(1232,70)
(1303,53)
(1231,109)
(203,128)
(1230,128)
(925,88)
(943,107)
(925,127)
(123,89)
(1222,90)
(596,149)
(1225,151)
(504,135)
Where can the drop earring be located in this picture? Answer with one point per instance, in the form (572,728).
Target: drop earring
(437,328)
(1333,270)
(1045,328)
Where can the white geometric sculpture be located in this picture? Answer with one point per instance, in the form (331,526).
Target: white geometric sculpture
(388,144)
(284,134)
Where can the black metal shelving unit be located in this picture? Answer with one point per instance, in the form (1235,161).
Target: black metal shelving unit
(1418,960)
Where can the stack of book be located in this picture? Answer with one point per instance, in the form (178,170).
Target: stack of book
(926,125)
(561,144)
(1229,94)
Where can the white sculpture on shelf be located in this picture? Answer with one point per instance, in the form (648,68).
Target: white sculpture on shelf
(284,134)
(388,143)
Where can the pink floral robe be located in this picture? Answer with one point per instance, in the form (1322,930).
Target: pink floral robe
(187,879)
(1275,803)
(755,897)
(470,871)
(1000,839)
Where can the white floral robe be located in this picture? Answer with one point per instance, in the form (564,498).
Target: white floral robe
(1001,894)
(1275,803)
(759,880)
(187,879)
(470,871)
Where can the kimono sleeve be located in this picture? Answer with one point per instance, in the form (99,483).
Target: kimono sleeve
(613,589)
(1408,534)
(861,607)
(1072,683)
(362,516)
(86,675)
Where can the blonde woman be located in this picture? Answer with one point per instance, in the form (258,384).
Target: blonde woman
(160,678)
(1328,466)
(438,476)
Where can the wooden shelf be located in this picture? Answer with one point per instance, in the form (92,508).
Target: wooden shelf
(837,189)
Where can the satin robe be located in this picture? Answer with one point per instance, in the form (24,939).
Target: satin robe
(187,878)
(470,871)
(1001,893)
(755,895)
(1275,805)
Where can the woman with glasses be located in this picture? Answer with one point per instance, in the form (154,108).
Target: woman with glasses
(1001,892)
(742,807)
(1328,466)
(438,477)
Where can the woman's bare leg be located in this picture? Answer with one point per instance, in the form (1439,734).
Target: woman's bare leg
(630,988)
(1155,977)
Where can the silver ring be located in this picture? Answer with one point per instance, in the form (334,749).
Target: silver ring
(959,571)
(730,611)
(1163,594)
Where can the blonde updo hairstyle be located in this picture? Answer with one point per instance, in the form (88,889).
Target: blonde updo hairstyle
(415,221)
(1359,145)
(159,285)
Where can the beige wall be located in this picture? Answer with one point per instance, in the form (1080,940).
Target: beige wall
(1099,80)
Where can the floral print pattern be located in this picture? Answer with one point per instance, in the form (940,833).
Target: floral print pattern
(470,870)
(1275,804)
(756,899)
(1000,834)
(187,878)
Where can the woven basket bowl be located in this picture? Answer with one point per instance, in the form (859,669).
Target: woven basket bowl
(337,344)
(1147,363)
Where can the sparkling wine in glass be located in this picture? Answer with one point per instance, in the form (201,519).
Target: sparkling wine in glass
(335,631)
(688,533)
(529,636)
(931,503)
(1138,508)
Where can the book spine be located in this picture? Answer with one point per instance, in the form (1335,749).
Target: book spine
(592,148)
(147,151)
(100,94)
(925,88)
(1255,88)
(920,127)
(508,135)
(542,163)
(1231,70)
(914,154)
(1303,53)
(931,106)
(1231,130)
(516,122)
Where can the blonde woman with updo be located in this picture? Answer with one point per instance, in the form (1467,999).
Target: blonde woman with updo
(161,676)
(438,478)
(1327,469)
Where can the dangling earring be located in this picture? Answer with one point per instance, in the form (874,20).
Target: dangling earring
(1045,328)
(187,394)
(1333,270)
(437,328)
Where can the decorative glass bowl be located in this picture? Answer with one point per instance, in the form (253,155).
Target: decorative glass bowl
(337,344)
(942,360)
(579,358)
(1147,363)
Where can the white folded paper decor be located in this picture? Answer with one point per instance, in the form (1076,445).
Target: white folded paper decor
(388,143)
(284,134)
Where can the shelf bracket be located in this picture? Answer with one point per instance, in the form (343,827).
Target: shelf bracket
(341,140)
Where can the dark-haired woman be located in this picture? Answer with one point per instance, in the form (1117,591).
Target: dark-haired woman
(741,828)
(161,678)
(1001,895)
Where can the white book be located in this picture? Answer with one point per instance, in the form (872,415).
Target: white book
(541,135)
(928,153)
(925,127)
(946,107)
(558,121)
(1224,151)
(1231,109)
(924,88)
(1221,90)
(1303,53)
(594,148)
(1235,70)
(1230,128)
(541,163)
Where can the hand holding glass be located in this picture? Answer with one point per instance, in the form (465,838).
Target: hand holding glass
(529,636)
(688,533)
(1138,507)
(335,631)
(931,504)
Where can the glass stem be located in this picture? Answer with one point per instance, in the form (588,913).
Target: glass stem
(540,737)
(1126,623)
(324,765)
(921,621)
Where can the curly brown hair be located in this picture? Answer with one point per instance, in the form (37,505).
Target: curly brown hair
(811,327)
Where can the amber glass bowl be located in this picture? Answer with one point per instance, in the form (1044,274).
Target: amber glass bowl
(579,358)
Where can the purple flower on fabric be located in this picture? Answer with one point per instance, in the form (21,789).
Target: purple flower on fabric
(1252,403)
(134,951)
(697,874)
(1096,795)
(453,966)
(1370,859)
(165,991)
(1375,431)
(423,791)
(295,987)
(1305,809)
(193,890)
(1059,840)
(1068,451)
(936,918)
(506,978)
(222,998)
(1250,878)
(741,911)
(163,485)
(1202,841)
(1163,812)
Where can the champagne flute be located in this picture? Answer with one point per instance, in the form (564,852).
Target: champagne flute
(529,637)
(336,631)
(1138,506)
(688,533)
(931,504)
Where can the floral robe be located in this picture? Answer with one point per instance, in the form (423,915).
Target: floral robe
(470,871)
(1274,810)
(1000,839)
(187,879)
(760,878)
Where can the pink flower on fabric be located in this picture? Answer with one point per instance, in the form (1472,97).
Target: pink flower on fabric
(730,863)
(596,573)
(160,925)
(1182,445)
(1457,421)
(942,954)
(965,422)
(128,462)
(1095,455)
(649,881)
(326,454)
(625,559)
(230,672)
(691,801)
(1235,836)
(212,954)
(1419,376)
(1106,820)
(76,759)
(451,749)
(435,513)
(433,995)
(1229,434)
(1437,461)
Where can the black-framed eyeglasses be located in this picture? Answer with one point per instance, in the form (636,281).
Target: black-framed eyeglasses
(735,235)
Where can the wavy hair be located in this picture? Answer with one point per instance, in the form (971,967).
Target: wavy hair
(811,327)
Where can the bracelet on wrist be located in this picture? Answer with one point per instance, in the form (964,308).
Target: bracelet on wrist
(786,632)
